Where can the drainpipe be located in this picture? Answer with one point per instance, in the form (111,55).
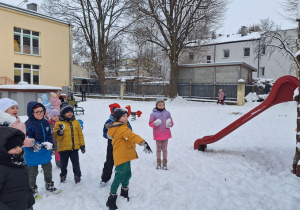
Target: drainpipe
(258,60)
(70,57)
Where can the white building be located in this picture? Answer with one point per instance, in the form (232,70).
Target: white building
(244,48)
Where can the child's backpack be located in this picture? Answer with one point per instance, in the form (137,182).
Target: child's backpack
(81,123)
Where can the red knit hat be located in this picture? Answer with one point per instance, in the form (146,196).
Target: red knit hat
(113,106)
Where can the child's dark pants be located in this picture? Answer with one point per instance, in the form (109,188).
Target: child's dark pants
(108,166)
(64,159)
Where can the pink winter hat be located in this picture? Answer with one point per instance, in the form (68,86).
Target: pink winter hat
(6,103)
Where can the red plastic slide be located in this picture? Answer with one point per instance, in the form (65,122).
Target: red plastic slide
(282,91)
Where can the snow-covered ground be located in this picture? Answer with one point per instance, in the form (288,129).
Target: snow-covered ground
(248,169)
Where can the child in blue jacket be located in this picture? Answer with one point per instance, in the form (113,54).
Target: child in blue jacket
(38,128)
(109,163)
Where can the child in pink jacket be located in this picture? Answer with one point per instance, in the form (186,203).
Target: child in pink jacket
(12,107)
(161,122)
(55,101)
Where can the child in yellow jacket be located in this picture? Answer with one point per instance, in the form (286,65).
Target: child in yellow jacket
(69,137)
(123,141)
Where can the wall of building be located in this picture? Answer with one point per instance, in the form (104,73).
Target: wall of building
(54,58)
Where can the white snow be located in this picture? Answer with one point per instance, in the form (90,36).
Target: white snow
(248,169)
(241,81)
(27,86)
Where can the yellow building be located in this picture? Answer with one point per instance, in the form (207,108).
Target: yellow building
(34,48)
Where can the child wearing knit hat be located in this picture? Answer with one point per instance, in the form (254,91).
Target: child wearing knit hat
(14,186)
(12,107)
(55,102)
(54,117)
(161,122)
(69,137)
(109,162)
(123,142)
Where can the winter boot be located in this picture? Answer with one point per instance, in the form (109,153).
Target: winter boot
(102,184)
(124,192)
(165,164)
(35,191)
(77,179)
(63,179)
(111,202)
(50,187)
(158,164)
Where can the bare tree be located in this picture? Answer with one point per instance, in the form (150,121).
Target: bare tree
(99,21)
(273,39)
(290,8)
(171,22)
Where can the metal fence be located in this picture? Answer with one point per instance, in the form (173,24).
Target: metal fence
(205,91)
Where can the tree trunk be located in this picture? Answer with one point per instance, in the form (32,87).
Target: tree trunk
(173,79)
(101,77)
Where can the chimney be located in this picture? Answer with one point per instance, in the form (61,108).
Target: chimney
(213,35)
(32,7)
(244,31)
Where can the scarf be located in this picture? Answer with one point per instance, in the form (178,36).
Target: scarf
(16,161)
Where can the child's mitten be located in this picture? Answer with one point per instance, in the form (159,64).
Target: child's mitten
(169,123)
(36,146)
(47,145)
(157,122)
(60,131)
(82,148)
(147,148)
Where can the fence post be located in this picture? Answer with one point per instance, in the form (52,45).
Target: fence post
(190,92)
(88,88)
(214,95)
(241,92)
(122,90)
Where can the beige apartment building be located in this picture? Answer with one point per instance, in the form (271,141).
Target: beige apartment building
(34,48)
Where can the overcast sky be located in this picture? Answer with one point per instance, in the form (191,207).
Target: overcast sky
(240,13)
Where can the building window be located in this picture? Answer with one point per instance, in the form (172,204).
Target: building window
(263,49)
(247,51)
(208,58)
(262,71)
(26,41)
(27,73)
(191,55)
(226,53)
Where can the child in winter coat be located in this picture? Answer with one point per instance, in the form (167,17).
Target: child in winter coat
(15,191)
(38,128)
(123,142)
(161,122)
(109,163)
(221,97)
(55,102)
(69,136)
(12,107)
(54,117)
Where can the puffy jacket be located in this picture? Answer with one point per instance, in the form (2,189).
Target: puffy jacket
(14,186)
(55,103)
(110,121)
(46,103)
(221,95)
(41,132)
(21,126)
(123,142)
(160,132)
(72,138)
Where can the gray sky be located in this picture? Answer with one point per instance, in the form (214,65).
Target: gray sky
(240,13)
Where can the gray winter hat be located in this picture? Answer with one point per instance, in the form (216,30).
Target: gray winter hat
(159,99)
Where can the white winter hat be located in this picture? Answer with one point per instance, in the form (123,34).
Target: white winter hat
(6,103)
(159,99)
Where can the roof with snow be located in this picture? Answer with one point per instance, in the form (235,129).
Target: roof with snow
(23,87)
(30,12)
(233,63)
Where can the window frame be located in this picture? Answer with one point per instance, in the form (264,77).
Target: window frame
(247,48)
(225,53)
(191,55)
(208,60)
(262,71)
(23,33)
(33,69)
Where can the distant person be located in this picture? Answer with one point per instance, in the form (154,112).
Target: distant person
(221,97)
(123,141)
(61,98)
(83,92)
(55,102)
(267,88)
(161,122)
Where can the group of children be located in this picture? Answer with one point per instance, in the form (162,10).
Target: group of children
(35,146)
(65,132)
